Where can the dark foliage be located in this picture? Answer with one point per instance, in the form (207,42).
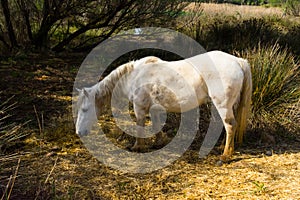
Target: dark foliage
(60,25)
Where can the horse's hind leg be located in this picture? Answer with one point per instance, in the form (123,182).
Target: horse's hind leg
(229,122)
(224,102)
(230,127)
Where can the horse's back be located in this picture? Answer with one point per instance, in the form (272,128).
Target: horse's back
(217,60)
(168,83)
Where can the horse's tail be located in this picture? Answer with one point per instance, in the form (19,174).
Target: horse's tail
(244,104)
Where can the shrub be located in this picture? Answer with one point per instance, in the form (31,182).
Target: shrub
(276,86)
(232,33)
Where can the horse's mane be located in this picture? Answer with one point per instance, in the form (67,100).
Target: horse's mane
(106,86)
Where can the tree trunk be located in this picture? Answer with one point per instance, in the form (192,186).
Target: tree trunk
(40,41)
(4,42)
(25,12)
(41,38)
(9,27)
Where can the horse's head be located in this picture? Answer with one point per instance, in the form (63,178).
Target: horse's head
(86,111)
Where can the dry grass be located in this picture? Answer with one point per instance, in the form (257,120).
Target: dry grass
(211,10)
(72,173)
(60,167)
(243,11)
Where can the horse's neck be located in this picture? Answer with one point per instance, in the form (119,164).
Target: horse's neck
(104,90)
(115,78)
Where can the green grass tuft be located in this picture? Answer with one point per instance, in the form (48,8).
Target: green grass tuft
(276,85)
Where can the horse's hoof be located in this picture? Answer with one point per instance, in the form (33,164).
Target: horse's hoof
(219,163)
(137,148)
(225,158)
(128,147)
(269,153)
(158,145)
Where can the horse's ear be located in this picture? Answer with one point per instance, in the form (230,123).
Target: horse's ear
(85,92)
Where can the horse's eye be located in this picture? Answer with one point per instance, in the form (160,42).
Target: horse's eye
(84,109)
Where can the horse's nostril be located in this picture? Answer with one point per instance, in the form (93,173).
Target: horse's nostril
(82,133)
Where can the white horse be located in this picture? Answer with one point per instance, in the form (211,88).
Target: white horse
(176,86)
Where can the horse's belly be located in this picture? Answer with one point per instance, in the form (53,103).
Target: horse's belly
(176,98)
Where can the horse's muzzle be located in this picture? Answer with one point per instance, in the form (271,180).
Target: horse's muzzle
(83,133)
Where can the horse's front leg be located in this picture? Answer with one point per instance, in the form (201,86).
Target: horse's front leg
(157,116)
(140,114)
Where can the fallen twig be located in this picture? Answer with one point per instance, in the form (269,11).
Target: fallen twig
(11,182)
